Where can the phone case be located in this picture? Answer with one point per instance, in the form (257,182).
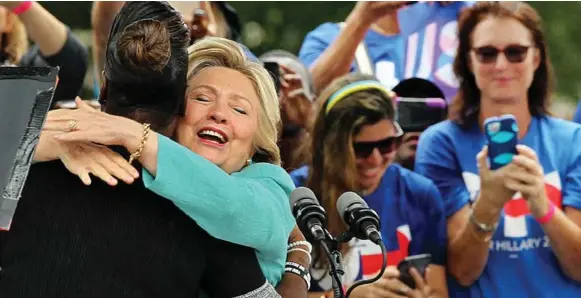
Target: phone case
(420,262)
(502,135)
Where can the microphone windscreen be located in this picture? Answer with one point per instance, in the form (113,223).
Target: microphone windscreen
(301,193)
(347,199)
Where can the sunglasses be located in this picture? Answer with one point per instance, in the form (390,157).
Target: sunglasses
(513,53)
(385,146)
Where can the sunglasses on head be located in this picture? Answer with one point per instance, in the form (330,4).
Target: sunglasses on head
(513,53)
(385,146)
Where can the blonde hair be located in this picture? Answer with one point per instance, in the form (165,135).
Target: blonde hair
(221,52)
(16,39)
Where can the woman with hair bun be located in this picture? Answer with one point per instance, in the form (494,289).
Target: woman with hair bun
(69,240)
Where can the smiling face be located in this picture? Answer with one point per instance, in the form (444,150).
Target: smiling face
(503,60)
(221,119)
(375,147)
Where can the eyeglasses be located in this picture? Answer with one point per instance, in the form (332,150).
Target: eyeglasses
(512,53)
(385,146)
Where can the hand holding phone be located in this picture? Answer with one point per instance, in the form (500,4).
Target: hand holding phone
(502,135)
(420,262)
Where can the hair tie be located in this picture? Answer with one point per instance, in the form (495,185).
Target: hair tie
(353,88)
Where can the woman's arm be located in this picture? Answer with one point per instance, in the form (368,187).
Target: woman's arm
(83,158)
(249,208)
(55,45)
(436,279)
(562,228)
(47,147)
(337,57)
(564,232)
(46,31)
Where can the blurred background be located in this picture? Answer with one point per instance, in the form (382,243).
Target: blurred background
(283,25)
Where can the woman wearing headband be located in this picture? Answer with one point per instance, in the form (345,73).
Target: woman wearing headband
(352,147)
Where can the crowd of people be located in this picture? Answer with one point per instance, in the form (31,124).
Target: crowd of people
(177,182)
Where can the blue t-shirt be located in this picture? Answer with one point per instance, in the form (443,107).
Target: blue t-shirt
(521,262)
(412,222)
(425,47)
(577,115)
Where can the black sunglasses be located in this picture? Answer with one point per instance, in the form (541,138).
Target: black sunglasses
(385,146)
(513,53)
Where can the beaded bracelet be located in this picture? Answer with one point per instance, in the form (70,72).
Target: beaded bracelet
(299,243)
(299,270)
(144,137)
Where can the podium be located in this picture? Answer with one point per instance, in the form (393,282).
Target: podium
(25,98)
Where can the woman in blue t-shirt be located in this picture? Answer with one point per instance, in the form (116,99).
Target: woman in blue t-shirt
(353,144)
(515,231)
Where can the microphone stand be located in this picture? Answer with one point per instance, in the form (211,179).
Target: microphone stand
(336,269)
(346,237)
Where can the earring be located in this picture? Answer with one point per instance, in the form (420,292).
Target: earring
(248,161)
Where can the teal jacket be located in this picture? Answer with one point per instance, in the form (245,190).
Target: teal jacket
(249,208)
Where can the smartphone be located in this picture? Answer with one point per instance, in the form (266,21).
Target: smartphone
(420,262)
(417,114)
(502,136)
(274,71)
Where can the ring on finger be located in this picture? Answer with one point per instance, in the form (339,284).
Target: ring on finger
(72,124)
(402,291)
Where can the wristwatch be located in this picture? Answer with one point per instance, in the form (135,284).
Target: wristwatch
(482,227)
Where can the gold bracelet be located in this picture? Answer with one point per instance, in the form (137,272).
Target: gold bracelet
(144,137)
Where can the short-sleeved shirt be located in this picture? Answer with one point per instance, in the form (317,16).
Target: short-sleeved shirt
(424,48)
(521,262)
(412,222)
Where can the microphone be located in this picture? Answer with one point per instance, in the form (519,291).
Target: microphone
(363,222)
(311,217)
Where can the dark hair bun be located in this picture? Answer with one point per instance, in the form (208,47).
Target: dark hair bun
(145,46)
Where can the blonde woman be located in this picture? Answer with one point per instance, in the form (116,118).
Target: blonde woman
(226,173)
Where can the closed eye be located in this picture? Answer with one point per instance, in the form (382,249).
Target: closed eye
(201,99)
(240,111)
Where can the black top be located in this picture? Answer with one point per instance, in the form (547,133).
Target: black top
(70,240)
